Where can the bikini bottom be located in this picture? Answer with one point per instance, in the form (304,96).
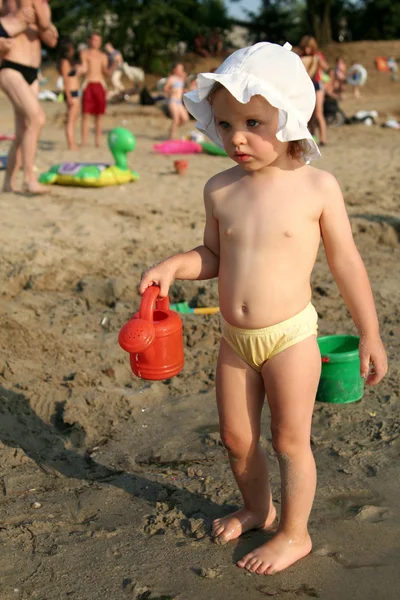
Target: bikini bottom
(74,94)
(28,73)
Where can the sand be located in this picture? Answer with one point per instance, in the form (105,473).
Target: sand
(108,483)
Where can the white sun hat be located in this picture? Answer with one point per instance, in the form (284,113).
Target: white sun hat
(267,70)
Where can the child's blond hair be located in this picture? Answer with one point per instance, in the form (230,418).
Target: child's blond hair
(296,148)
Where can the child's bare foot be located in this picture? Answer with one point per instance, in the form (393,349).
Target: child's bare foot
(34,188)
(8,188)
(73,147)
(276,555)
(232,526)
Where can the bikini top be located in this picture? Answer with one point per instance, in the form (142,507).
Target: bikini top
(178,84)
(72,72)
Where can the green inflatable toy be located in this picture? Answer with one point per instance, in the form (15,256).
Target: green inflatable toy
(120,141)
(210,148)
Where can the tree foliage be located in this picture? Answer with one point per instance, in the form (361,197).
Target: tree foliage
(278,21)
(373,19)
(149,31)
(146,30)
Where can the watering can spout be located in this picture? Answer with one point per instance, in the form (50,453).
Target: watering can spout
(136,336)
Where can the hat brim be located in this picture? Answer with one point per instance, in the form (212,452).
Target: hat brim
(291,125)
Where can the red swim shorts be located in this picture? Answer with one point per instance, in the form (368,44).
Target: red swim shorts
(94,99)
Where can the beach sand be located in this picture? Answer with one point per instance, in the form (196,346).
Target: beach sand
(108,483)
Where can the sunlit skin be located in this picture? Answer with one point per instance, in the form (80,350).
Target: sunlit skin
(318,118)
(95,65)
(264,221)
(29,116)
(174,88)
(71,83)
(20,14)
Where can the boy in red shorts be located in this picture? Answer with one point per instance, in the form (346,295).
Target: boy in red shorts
(95,63)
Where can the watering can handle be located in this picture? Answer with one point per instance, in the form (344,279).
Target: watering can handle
(147,304)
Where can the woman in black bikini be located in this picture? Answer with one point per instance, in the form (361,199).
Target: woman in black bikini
(70,71)
(18,79)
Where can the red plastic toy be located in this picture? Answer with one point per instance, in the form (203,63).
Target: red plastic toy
(154,339)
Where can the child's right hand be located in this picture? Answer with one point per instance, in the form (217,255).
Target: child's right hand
(161,274)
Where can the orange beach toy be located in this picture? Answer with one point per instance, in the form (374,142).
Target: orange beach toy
(153,337)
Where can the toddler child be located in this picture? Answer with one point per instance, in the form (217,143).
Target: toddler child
(264,221)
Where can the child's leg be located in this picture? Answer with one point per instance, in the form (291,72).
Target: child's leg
(240,397)
(72,117)
(97,123)
(291,380)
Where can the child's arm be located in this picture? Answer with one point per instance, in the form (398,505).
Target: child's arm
(351,277)
(200,263)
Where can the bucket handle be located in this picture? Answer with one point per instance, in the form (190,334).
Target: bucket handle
(325,359)
(150,295)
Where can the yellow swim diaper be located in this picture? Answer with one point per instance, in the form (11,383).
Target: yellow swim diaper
(256,346)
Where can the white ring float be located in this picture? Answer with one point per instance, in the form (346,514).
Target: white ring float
(357,75)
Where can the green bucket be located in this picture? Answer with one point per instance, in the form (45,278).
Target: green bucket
(340,381)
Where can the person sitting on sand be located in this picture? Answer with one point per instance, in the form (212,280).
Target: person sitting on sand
(174,88)
(264,221)
(95,64)
(70,71)
(19,80)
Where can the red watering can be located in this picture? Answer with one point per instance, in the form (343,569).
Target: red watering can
(153,337)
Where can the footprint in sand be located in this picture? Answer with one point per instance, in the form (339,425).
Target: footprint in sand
(342,560)
(372,514)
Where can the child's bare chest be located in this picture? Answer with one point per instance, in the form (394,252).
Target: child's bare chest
(262,220)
